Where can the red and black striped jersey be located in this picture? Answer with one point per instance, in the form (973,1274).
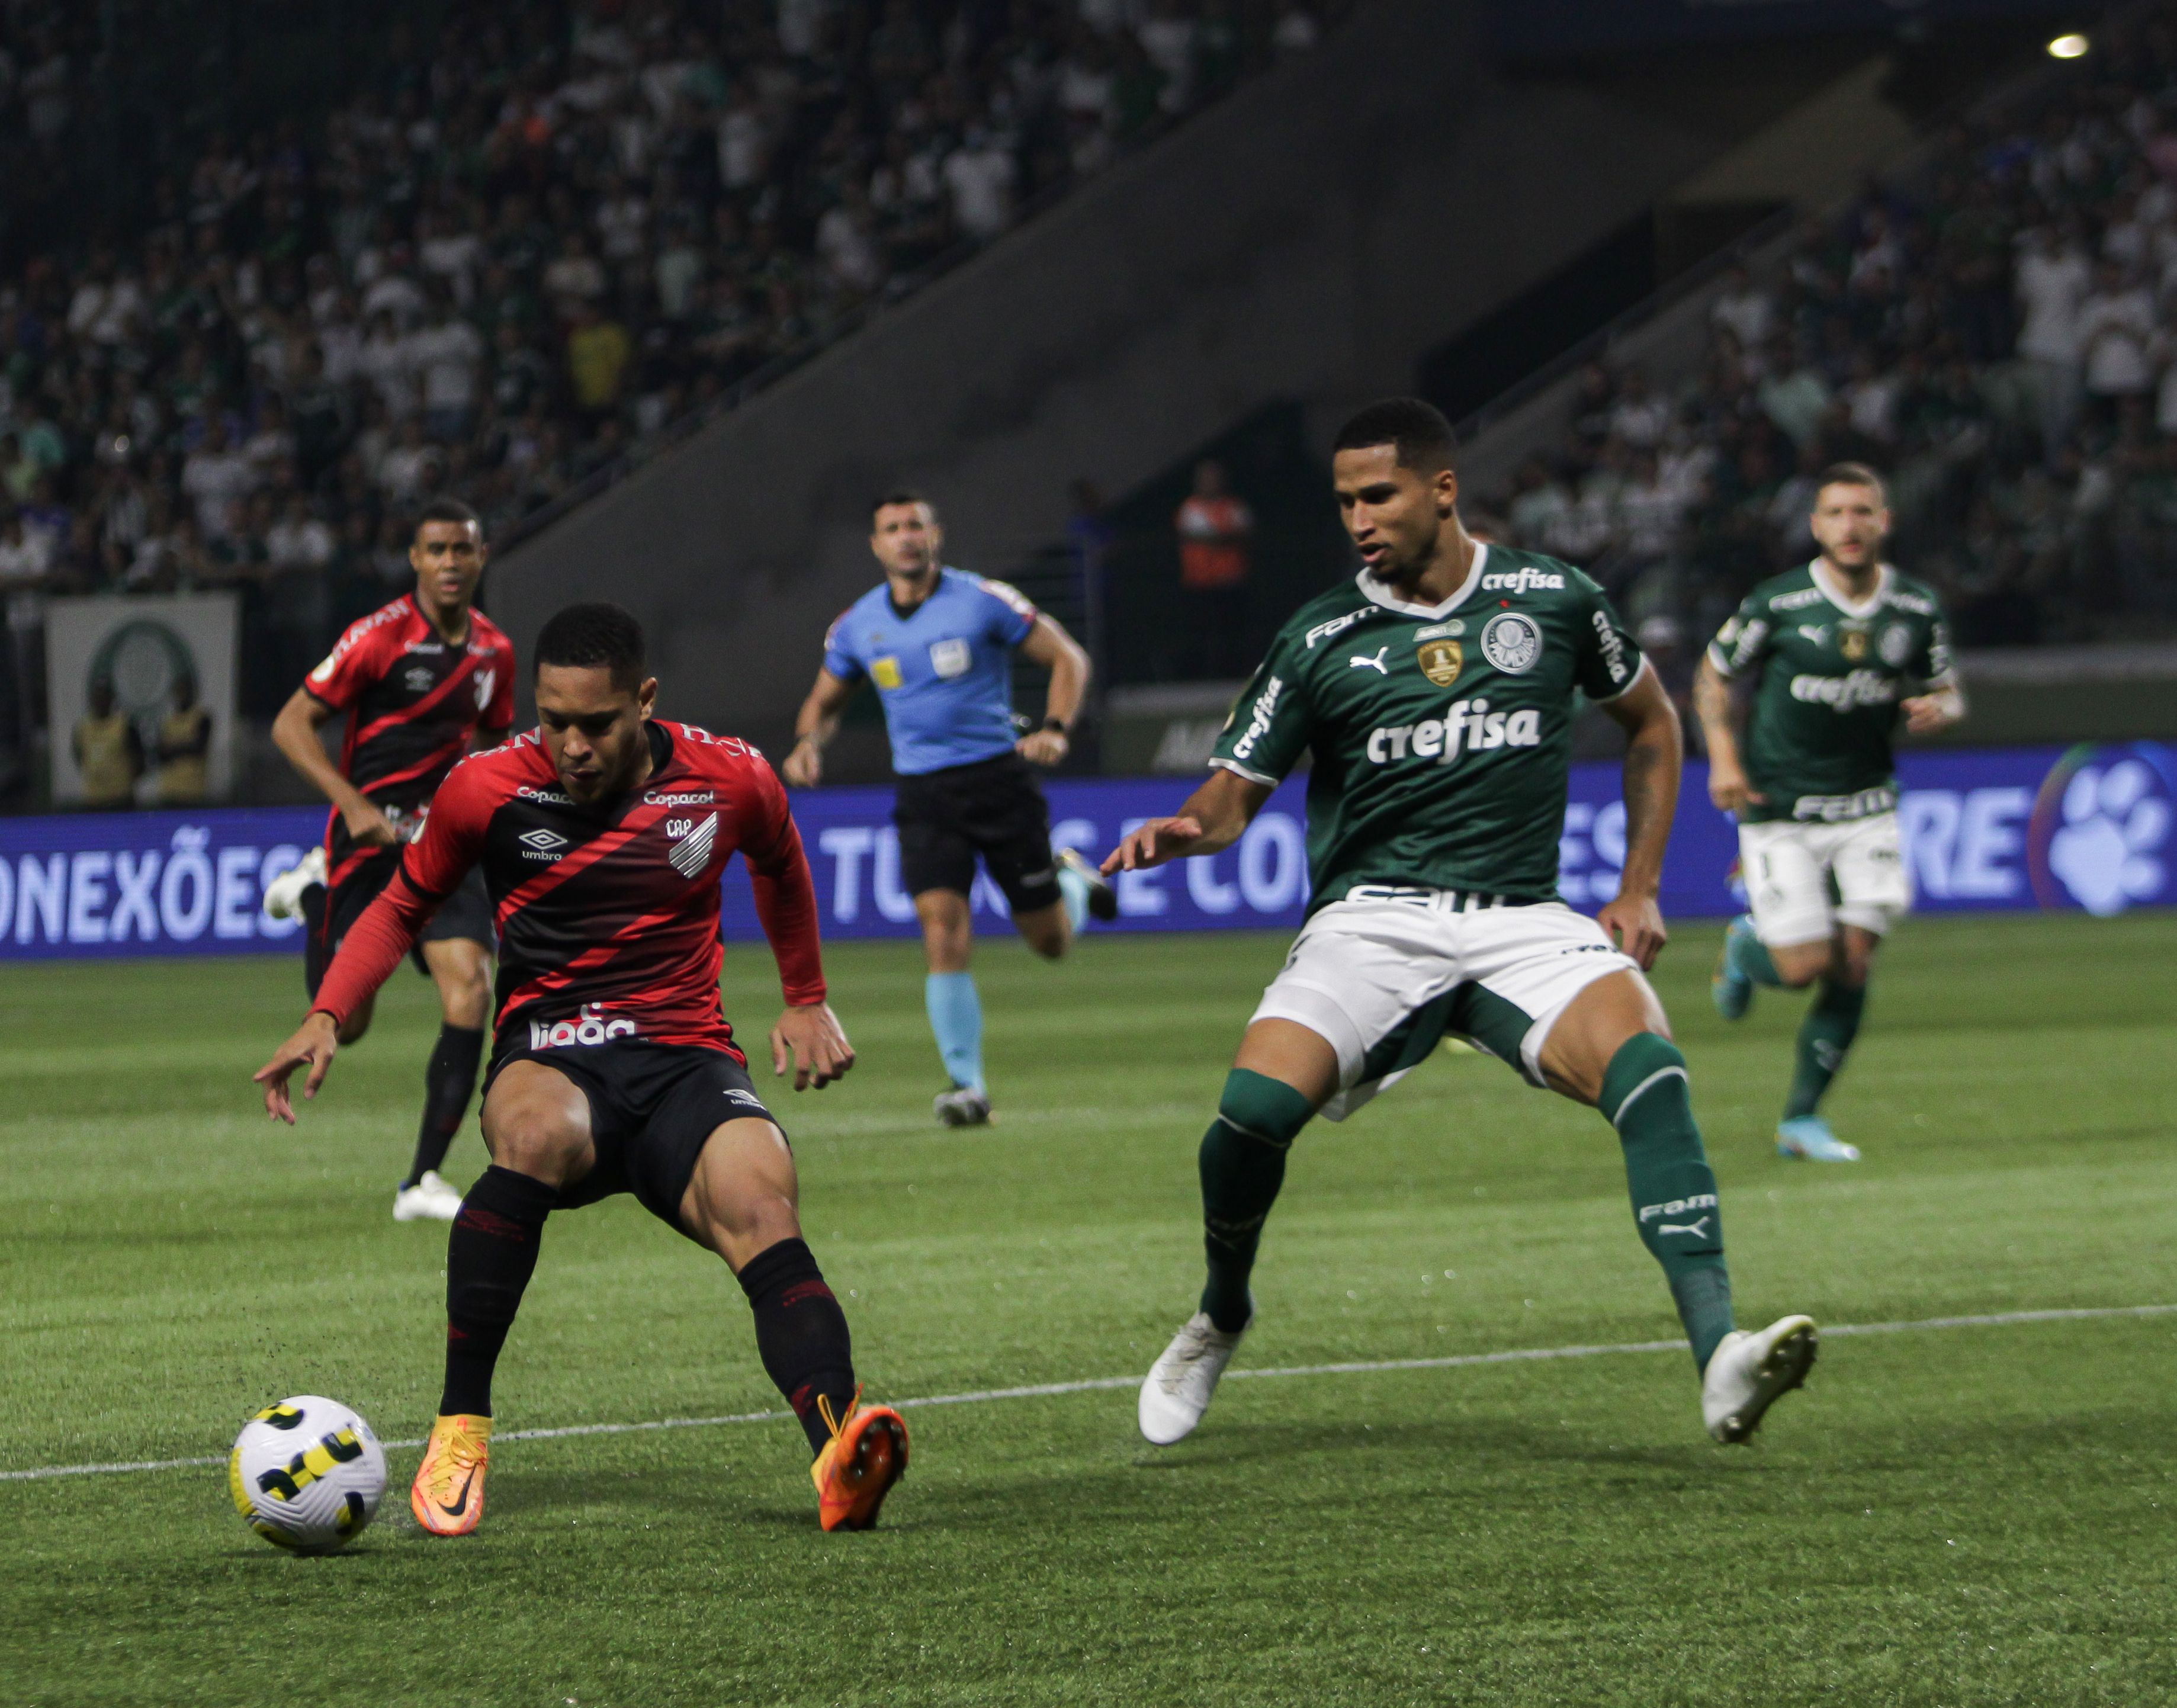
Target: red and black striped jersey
(608,913)
(411,699)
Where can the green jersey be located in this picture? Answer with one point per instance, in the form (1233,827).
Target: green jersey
(1441,735)
(1832,672)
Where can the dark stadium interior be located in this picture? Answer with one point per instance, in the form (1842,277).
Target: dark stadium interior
(270,278)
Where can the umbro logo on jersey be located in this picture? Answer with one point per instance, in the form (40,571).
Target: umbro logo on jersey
(418,678)
(692,840)
(541,844)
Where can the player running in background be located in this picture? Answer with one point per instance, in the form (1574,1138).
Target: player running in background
(1835,648)
(421,680)
(939,643)
(603,835)
(1436,692)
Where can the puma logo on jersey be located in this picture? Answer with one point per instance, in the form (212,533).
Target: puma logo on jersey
(1376,663)
(1697,1230)
(1466,722)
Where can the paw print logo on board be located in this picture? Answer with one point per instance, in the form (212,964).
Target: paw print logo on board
(2102,829)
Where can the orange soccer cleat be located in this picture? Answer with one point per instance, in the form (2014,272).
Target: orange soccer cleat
(865,1456)
(447,1497)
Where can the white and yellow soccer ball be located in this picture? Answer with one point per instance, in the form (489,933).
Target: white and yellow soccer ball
(306,1474)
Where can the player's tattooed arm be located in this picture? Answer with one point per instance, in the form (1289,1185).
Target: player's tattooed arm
(1654,755)
(816,724)
(1214,816)
(1727,785)
(1938,708)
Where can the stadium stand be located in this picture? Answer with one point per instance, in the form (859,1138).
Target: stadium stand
(503,264)
(1995,326)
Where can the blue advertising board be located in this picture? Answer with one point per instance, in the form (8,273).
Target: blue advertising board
(2087,827)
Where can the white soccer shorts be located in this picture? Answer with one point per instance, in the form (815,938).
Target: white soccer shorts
(1804,880)
(1384,974)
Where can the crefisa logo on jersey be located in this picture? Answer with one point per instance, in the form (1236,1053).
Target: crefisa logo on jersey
(2099,836)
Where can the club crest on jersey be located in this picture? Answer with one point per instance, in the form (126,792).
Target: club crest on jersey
(1512,643)
(1895,645)
(693,840)
(1441,661)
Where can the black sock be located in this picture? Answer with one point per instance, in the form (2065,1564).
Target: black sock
(800,1335)
(491,1252)
(447,1083)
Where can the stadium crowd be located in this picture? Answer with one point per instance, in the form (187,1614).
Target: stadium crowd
(1997,332)
(516,256)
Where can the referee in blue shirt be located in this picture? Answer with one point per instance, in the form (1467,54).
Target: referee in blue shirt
(938,644)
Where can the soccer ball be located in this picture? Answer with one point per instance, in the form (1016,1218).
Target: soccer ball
(306,1474)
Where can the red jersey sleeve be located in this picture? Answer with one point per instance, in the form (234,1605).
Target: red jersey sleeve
(351,666)
(431,866)
(785,892)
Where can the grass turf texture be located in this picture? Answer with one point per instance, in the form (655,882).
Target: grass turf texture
(1980,1515)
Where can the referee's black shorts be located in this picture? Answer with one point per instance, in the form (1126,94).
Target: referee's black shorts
(331,915)
(994,808)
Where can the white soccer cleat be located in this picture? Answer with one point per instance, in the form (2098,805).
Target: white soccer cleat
(1181,1383)
(431,1199)
(283,896)
(1750,1370)
(963,1106)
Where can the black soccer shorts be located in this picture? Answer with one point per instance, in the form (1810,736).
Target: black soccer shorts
(652,1107)
(464,915)
(994,808)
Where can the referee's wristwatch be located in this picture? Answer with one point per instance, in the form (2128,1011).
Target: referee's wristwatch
(1057,726)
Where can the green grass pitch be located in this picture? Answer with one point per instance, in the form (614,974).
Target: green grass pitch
(1975,1515)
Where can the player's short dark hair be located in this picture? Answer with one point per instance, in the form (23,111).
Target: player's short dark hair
(1852,474)
(1423,438)
(902,494)
(448,510)
(594,636)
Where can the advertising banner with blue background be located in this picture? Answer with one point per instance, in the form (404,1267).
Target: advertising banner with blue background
(2087,828)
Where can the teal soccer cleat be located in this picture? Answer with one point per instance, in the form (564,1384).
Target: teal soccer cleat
(1808,1136)
(1732,990)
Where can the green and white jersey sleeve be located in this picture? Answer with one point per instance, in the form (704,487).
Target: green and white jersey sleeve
(1441,736)
(1830,674)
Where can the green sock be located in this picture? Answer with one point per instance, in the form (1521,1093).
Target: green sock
(1824,1035)
(1243,1164)
(1749,955)
(1646,1097)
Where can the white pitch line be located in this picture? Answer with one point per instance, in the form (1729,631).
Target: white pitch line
(1094,1384)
